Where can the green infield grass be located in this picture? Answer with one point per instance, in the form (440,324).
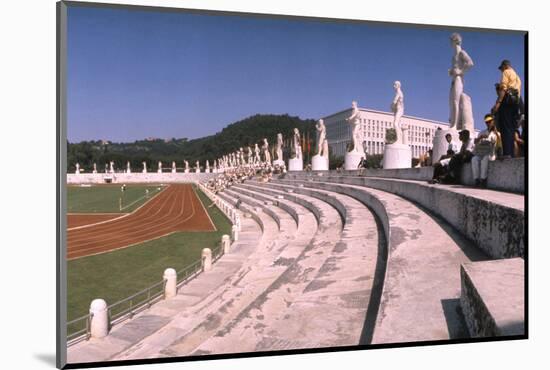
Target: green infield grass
(118,274)
(108,198)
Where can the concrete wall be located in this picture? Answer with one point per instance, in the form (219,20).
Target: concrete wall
(505,175)
(496,229)
(128,178)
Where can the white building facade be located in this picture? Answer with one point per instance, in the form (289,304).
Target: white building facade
(373,128)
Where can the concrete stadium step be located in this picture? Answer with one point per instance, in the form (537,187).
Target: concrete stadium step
(206,318)
(128,337)
(493,220)
(335,304)
(304,217)
(268,323)
(421,290)
(493,294)
(285,221)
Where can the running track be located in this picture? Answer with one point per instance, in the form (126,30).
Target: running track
(176,208)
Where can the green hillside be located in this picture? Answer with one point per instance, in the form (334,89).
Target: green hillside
(243,133)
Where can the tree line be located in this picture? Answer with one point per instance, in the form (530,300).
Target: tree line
(243,133)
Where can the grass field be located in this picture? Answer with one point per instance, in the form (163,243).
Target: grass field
(118,274)
(105,198)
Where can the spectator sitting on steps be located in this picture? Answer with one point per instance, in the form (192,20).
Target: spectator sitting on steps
(484,152)
(463,156)
(441,167)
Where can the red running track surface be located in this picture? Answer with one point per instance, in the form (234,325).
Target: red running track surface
(176,208)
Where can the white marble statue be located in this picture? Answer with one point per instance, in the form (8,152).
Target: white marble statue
(173,167)
(296,145)
(77,171)
(159,170)
(321,137)
(460,64)
(250,157)
(354,120)
(186,166)
(256,153)
(112,167)
(95,168)
(325,149)
(279,148)
(398,107)
(106,168)
(207,166)
(144,167)
(128,169)
(265,148)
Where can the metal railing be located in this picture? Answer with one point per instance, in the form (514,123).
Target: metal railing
(128,307)
(79,334)
(188,273)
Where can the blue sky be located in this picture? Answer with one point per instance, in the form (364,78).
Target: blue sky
(136,74)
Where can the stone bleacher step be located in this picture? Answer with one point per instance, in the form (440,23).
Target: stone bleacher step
(422,281)
(270,314)
(492,298)
(333,302)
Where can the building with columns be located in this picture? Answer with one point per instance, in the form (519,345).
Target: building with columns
(373,128)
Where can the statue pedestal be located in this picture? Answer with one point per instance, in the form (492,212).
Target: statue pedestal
(197,171)
(94,171)
(440,144)
(352,159)
(173,170)
(397,156)
(278,162)
(186,171)
(295,164)
(319,163)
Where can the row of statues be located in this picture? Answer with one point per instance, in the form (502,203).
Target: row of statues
(460,117)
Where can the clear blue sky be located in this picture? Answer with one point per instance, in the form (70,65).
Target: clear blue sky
(135,74)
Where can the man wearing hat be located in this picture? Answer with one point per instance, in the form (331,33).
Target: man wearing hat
(507,106)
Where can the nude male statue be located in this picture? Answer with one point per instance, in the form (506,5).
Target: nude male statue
(460,64)
(397,107)
(321,136)
(356,132)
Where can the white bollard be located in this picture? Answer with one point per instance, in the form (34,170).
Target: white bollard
(170,277)
(226,243)
(99,326)
(235,232)
(206,259)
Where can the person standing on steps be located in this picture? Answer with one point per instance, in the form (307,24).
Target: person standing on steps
(507,106)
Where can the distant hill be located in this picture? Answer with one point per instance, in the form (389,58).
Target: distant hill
(243,133)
